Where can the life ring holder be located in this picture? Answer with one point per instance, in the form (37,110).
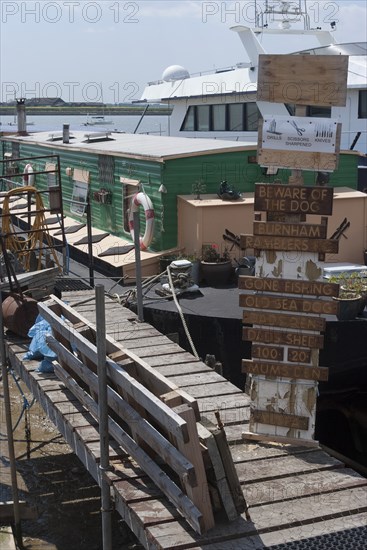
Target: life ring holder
(28,175)
(141,199)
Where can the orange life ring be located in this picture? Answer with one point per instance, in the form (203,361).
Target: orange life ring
(141,199)
(28,175)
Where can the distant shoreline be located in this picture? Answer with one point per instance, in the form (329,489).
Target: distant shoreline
(121,110)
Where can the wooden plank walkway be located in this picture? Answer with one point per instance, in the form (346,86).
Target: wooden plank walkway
(293,493)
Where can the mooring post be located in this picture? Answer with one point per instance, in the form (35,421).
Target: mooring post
(90,243)
(106,508)
(9,429)
(139,291)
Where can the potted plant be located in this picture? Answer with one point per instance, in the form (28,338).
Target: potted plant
(352,294)
(216,268)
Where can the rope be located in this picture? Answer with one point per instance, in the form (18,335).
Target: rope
(26,405)
(21,246)
(195,353)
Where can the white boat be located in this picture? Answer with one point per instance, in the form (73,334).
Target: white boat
(16,123)
(222,104)
(97,120)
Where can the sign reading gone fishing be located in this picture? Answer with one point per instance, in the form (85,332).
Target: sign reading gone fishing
(299,134)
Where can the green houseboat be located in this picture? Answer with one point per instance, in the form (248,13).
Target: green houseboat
(110,168)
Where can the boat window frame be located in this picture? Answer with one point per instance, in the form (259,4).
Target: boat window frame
(190,111)
(207,109)
(224,107)
(193,113)
(247,117)
(318,111)
(362,104)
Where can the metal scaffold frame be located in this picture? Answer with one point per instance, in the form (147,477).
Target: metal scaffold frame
(38,232)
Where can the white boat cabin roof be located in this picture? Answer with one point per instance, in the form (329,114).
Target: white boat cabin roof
(159,148)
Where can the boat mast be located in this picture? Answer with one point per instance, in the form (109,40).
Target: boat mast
(289,13)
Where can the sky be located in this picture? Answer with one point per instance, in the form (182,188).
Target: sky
(108,50)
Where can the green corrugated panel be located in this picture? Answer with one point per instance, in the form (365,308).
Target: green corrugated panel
(179,176)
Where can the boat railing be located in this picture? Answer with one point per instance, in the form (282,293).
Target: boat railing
(203,73)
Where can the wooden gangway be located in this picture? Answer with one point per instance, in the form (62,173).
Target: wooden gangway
(293,493)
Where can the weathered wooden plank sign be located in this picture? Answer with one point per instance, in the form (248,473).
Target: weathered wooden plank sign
(294,199)
(284,320)
(281,419)
(315,162)
(269,353)
(301,305)
(288,286)
(285,370)
(303,79)
(296,355)
(286,338)
(282,229)
(266,242)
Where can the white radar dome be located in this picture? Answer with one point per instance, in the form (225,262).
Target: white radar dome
(175,72)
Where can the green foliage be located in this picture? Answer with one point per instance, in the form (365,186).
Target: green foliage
(211,253)
(352,285)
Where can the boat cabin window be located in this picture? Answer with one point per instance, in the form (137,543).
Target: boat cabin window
(235,123)
(233,117)
(203,118)
(311,110)
(219,117)
(252,117)
(189,122)
(316,111)
(362,104)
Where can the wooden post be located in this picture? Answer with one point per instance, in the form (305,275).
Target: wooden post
(199,494)
(106,508)
(9,429)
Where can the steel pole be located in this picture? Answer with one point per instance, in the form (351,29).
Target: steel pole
(9,429)
(90,244)
(139,290)
(106,508)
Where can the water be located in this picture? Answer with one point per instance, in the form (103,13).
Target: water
(152,124)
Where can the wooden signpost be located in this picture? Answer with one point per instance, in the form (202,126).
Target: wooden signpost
(281,229)
(283,337)
(284,370)
(303,79)
(283,320)
(286,302)
(293,199)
